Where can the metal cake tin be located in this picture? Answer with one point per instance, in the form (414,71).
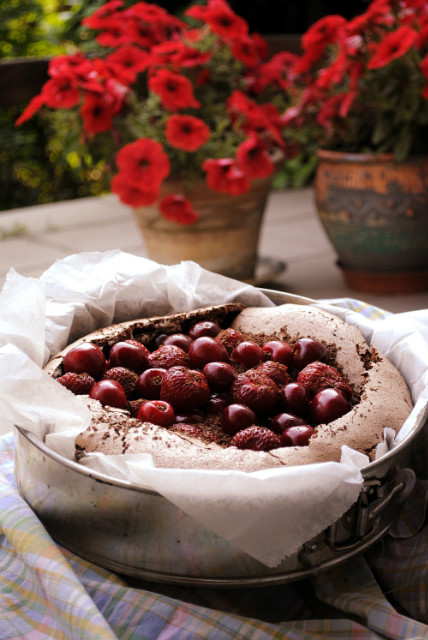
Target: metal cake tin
(138,532)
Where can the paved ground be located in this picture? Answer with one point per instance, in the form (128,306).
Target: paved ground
(291,233)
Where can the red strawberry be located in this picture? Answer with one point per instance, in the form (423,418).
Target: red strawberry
(125,377)
(255,390)
(255,438)
(274,370)
(185,389)
(167,356)
(318,375)
(78,383)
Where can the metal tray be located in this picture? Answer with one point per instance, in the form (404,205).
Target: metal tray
(139,533)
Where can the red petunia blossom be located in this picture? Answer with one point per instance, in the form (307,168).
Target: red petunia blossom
(251,116)
(186,132)
(128,61)
(223,21)
(394,45)
(225,176)
(245,50)
(197,12)
(144,163)
(130,194)
(178,54)
(106,11)
(178,209)
(97,113)
(327,30)
(174,90)
(252,158)
(61,93)
(32,107)
(116,32)
(74,66)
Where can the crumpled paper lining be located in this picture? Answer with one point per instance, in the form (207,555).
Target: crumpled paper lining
(268,514)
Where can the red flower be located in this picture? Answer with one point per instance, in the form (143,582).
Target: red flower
(128,61)
(61,93)
(144,163)
(223,21)
(178,209)
(174,90)
(225,176)
(186,132)
(251,116)
(130,194)
(97,113)
(245,50)
(97,19)
(328,30)
(178,54)
(394,45)
(116,32)
(252,158)
(32,107)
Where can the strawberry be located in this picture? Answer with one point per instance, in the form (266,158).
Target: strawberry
(125,377)
(78,383)
(255,438)
(184,389)
(167,356)
(274,370)
(318,375)
(254,390)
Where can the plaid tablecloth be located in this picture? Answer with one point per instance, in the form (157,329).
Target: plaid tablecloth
(48,592)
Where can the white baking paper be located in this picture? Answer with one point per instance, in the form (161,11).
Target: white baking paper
(268,514)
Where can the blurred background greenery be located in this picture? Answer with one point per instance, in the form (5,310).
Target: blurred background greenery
(32,169)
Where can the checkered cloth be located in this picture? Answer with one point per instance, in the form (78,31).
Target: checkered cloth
(48,592)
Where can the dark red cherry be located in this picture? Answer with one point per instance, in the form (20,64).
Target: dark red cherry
(328,405)
(219,375)
(216,404)
(204,328)
(247,353)
(179,340)
(129,355)
(283,421)
(85,358)
(297,436)
(294,397)
(109,392)
(236,417)
(157,412)
(278,351)
(149,383)
(206,349)
(307,350)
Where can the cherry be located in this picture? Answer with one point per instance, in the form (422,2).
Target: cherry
(307,350)
(296,436)
(149,383)
(283,421)
(191,417)
(294,397)
(247,353)
(204,328)
(219,375)
(157,412)
(328,405)
(179,340)
(206,349)
(109,392)
(129,355)
(85,358)
(278,351)
(216,403)
(236,417)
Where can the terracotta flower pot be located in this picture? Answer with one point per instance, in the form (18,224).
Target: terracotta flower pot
(375,213)
(224,239)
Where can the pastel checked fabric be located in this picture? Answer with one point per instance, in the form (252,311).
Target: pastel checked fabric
(48,592)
